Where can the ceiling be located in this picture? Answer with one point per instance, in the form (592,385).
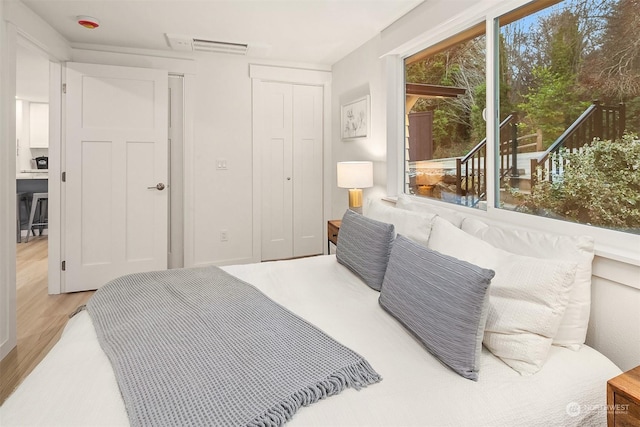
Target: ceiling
(309,31)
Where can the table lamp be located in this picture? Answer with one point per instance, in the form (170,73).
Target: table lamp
(355,176)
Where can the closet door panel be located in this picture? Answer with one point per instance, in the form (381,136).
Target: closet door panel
(307,170)
(277,173)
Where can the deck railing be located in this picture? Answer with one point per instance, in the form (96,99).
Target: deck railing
(597,121)
(471,184)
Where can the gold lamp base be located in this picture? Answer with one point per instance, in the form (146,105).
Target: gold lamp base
(355,200)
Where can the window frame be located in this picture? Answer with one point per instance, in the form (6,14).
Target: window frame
(612,244)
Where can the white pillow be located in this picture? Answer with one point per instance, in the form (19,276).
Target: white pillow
(528,296)
(413,225)
(579,249)
(454,217)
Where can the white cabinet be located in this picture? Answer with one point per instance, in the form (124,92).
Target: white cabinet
(39,125)
(290,129)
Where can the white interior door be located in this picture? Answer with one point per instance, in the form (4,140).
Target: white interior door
(116,158)
(308,228)
(277,172)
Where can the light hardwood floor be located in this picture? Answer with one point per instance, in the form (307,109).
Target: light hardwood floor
(41,317)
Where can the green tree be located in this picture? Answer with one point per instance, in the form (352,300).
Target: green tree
(618,64)
(552,105)
(565,44)
(454,119)
(612,70)
(553,102)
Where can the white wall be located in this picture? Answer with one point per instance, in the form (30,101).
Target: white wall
(361,73)
(222,130)
(614,326)
(32,72)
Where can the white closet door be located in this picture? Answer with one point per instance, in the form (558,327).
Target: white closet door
(308,228)
(116,173)
(277,174)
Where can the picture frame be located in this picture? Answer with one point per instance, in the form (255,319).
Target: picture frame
(354,119)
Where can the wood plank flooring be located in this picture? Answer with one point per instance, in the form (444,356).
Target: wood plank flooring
(41,317)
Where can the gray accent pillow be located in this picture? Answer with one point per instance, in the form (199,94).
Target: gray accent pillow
(442,300)
(364,245)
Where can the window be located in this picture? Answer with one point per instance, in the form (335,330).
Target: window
(445,94)
(569,74)
(565,73)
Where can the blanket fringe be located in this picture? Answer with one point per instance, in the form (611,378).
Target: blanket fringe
(356,376)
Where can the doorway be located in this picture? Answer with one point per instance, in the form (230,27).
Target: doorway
(32,142)
(41,316)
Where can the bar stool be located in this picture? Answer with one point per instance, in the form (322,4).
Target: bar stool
(39,203)
(22,213)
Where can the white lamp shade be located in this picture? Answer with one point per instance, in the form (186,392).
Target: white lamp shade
(355,174)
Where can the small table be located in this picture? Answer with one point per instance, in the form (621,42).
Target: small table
(333,228)
(623,399)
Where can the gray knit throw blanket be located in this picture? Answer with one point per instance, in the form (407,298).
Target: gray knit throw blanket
(201,347)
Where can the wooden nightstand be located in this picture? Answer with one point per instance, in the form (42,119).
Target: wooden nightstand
(333,228)
(623,399)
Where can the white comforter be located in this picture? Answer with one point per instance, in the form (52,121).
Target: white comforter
(74,384)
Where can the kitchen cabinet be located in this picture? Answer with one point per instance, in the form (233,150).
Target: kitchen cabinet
(39,125)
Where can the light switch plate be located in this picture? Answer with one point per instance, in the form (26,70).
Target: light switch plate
(221,164)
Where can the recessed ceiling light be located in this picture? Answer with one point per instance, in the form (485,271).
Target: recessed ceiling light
(88,21)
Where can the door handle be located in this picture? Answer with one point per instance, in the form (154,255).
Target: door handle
(158,187)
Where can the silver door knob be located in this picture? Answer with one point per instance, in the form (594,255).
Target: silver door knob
(158,187)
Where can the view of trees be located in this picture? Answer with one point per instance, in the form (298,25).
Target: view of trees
(457,122)
(553,64)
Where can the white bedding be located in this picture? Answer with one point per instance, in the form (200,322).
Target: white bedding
(74,384)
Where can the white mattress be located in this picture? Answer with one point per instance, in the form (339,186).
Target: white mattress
(74,384)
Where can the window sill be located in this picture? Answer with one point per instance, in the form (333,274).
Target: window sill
(609,244)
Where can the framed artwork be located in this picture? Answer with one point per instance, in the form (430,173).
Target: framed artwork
(354,119)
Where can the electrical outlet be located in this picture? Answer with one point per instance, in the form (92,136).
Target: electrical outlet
(221,164)
(224,236)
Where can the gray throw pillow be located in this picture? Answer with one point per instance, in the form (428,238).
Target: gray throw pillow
(364,246)
(442,300)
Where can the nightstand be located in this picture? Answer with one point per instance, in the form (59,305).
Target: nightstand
(623,399)
(333,228)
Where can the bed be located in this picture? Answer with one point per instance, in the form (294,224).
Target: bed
(75,385)
(355,300)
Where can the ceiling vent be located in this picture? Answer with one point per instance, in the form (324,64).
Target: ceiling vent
(188,43)
(219,47)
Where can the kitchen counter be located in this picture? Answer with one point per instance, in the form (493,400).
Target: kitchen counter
(33,174)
